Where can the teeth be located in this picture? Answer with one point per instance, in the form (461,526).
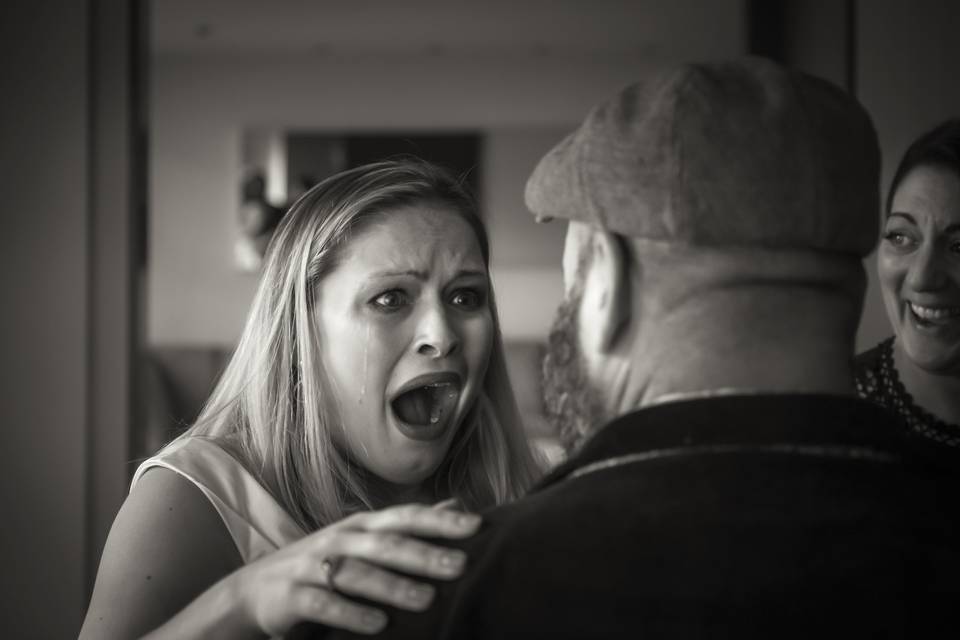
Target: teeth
(428,404)
(436,410)
(934,313)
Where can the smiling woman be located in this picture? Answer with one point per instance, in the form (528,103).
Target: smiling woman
(370,374)
(917,371)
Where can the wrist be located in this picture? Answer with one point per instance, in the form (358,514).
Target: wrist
(222,611)
(236,607)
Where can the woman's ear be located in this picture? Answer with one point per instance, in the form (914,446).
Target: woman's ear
(607,296)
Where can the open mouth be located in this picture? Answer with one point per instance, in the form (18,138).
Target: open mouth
(425,406)
(926,315)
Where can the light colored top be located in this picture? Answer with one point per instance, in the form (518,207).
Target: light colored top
(256,521)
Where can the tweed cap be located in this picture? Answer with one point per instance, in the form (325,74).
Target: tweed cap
(733,153)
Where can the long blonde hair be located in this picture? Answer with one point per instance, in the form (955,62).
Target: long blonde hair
(271,407)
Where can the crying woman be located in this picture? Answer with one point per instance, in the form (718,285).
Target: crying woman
(367,404)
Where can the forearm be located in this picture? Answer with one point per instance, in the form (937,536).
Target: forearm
(217,613)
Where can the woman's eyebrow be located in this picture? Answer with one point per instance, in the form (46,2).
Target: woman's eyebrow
(422,275)
(465,273)
(419,275)
(899,214)
(952,228)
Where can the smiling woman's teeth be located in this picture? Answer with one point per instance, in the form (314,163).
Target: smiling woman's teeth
(934,313)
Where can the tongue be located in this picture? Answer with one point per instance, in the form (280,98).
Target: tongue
(426,405)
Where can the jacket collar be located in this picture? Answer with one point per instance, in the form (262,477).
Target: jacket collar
(759,420)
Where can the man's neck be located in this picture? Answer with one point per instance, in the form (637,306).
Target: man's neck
(786,371)
(765,350)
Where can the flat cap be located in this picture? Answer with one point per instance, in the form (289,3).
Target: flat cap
(732,153)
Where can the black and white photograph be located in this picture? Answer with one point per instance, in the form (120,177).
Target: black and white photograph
(480,319)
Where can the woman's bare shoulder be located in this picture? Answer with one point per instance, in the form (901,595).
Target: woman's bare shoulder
(167,545)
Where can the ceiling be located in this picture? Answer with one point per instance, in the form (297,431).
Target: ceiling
(532,28)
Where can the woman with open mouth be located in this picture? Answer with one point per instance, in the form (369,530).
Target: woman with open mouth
(368,395)
(916,373)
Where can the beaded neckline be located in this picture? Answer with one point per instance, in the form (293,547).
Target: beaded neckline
(889,391)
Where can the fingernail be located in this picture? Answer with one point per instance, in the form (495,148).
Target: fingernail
(453,561)
(467,520)
(374,620)
(420,594)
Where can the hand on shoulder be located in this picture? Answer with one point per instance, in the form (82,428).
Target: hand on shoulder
(315,578)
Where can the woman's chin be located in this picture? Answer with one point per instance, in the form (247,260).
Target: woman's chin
(933,356)
(409,468)
(412,453)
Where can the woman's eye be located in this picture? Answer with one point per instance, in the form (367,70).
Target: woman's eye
(390,300)
(468,298)
(954,246)
(897,238)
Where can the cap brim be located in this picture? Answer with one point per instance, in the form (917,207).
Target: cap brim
(552,190)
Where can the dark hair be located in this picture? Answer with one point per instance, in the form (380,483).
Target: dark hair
(939,147)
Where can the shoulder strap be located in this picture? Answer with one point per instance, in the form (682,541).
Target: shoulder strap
(256,521)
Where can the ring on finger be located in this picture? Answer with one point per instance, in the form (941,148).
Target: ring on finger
(329,568)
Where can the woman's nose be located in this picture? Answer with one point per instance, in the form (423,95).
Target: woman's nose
(926,272)
(436,335)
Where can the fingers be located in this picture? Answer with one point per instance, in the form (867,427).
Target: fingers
(360,578)
(381,538)
(421,520)
(449,503)
(395,551)
(326,607)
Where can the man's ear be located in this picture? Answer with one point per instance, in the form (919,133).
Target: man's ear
(607,291)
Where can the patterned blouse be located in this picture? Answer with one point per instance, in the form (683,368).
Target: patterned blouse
(877,380)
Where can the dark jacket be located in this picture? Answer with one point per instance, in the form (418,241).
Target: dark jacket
(750,516)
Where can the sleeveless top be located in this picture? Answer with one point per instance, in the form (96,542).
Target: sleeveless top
(877,380)
(256,521)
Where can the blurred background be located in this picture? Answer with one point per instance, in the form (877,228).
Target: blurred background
(149,146)
(251,102)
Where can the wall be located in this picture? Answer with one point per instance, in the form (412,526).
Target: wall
(44,286)
(201,105)
(906,76)
(197,297)
(526,255)
(200,108)
(815,37)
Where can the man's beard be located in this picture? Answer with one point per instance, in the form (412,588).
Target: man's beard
(572,405)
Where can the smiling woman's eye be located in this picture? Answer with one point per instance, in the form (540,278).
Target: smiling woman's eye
(389,300)
(468,298)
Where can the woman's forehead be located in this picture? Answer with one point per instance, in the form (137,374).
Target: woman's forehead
(929,191)
(414,238)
